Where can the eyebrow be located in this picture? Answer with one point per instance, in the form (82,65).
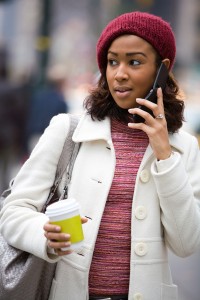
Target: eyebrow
(128,53)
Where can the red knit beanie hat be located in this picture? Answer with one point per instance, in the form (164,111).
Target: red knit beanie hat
(151,28)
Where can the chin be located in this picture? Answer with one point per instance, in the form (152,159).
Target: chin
(125,105)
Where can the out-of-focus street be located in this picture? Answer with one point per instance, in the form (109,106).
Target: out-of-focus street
(37,37)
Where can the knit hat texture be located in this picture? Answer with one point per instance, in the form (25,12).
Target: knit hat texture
(151,28)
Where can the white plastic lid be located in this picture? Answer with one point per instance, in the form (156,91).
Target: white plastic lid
(61,207)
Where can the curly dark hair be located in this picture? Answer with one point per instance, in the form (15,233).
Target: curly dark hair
(100,103)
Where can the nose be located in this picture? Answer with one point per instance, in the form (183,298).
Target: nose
(121,73)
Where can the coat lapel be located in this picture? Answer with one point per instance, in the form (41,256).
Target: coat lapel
(89,130)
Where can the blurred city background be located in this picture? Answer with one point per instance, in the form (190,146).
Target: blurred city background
(48,64)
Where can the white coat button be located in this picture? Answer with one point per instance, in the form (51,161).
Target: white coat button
(137,296)
(140,212)
(141,249)
(144,175)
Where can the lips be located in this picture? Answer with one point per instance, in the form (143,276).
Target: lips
(122,89)
(122,92)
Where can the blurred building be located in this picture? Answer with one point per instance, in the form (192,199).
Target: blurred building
(45,32)
(18,28)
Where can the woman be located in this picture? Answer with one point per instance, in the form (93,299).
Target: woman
(137,183)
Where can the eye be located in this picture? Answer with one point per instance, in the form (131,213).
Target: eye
(112,62)
(134,62)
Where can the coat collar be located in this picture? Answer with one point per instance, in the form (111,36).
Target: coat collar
(89,130)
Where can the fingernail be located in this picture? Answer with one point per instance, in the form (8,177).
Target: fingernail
(67,236)
(57,228)
(68,244)
(67,248)
(139,99)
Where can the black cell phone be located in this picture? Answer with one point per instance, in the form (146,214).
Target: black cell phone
(160,81)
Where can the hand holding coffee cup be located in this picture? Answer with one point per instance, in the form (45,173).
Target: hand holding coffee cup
(64,229)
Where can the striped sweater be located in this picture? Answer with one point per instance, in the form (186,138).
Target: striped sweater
(110,268)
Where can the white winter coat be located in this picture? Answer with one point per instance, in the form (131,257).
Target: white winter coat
(165,209)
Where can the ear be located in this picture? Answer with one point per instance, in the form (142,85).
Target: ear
(166,61)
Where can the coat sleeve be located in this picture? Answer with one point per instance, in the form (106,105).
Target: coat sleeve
(178,190)
(21,220)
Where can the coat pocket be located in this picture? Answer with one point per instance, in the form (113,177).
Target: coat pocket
(169,292)
(71,280)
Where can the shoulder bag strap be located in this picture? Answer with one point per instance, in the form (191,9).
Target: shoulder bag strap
(66,161)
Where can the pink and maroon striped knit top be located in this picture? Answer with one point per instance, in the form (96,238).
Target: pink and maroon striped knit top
(109,272)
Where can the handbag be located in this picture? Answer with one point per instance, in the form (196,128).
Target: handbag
(23,275)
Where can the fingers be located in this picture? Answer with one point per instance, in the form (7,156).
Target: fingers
(160,99)
(57,240)
(60,252)
(53,232)
(156,108)
(50,227)
(84,220)
(60,248)
(57,236)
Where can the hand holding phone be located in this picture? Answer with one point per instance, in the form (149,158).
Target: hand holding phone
(160,81)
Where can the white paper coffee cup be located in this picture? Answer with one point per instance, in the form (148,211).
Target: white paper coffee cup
(65,213)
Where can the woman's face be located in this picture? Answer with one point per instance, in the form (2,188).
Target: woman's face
(131,69)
